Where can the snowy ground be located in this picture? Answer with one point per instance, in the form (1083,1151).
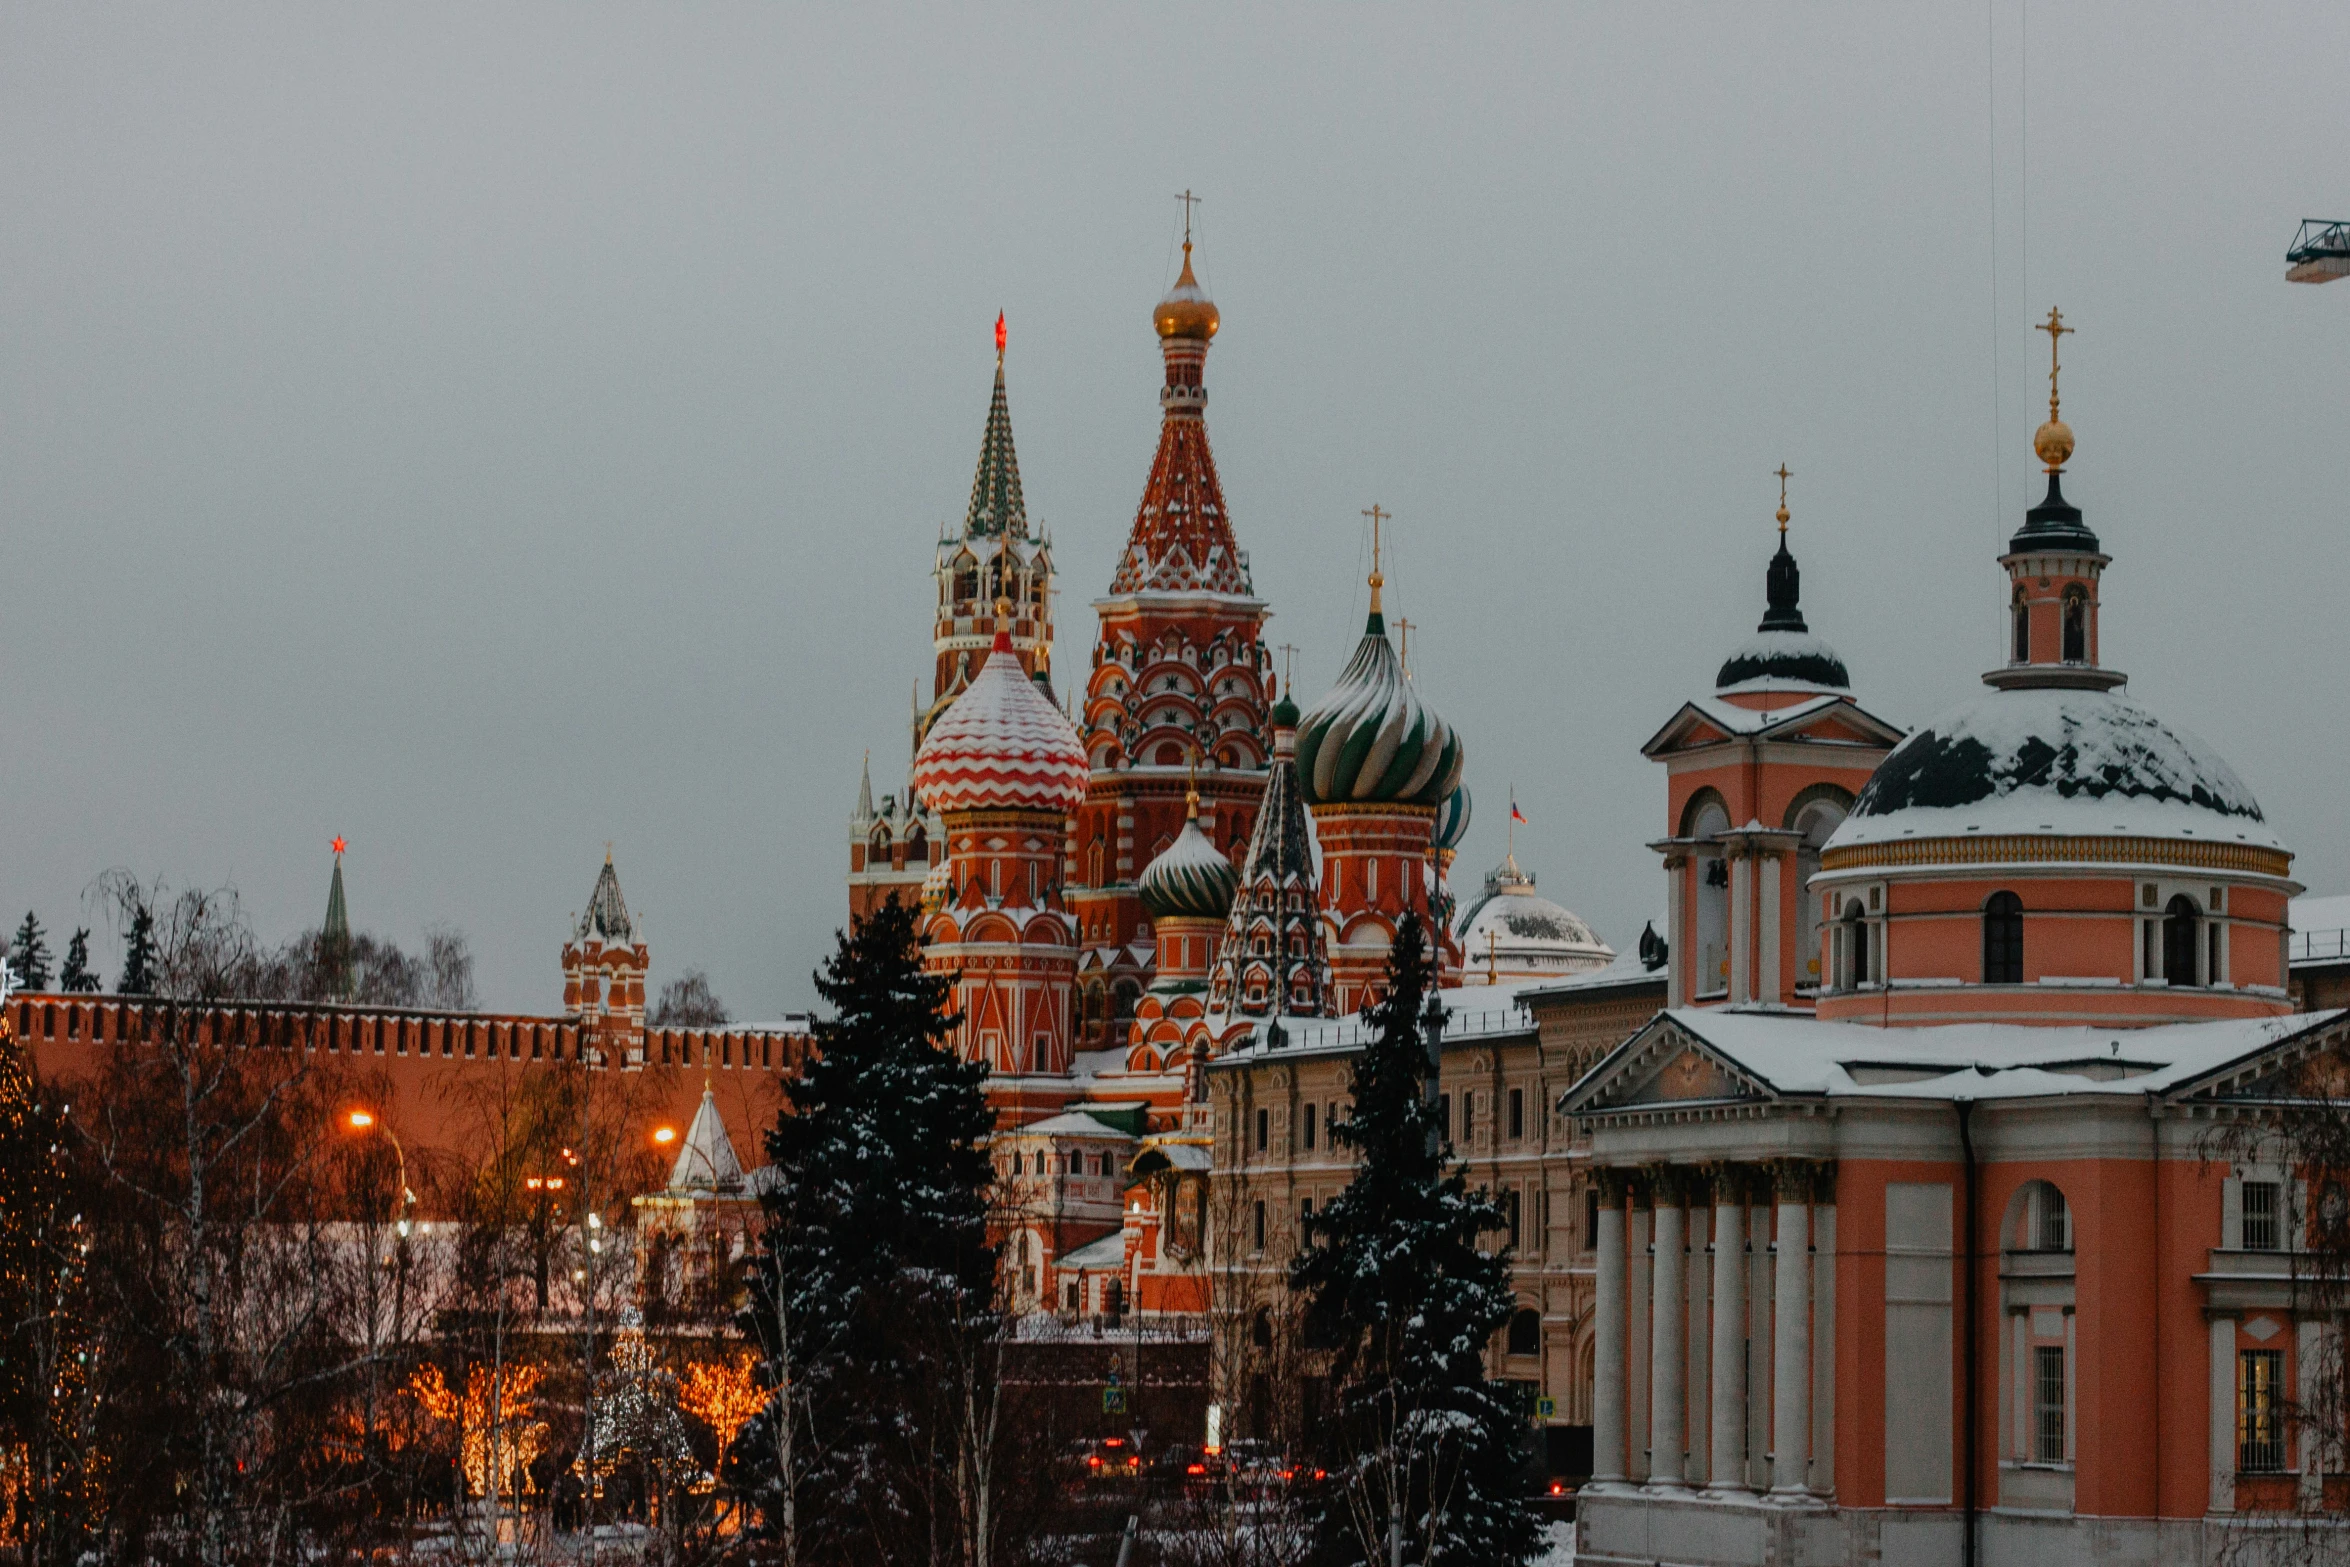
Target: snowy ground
(1559,1538)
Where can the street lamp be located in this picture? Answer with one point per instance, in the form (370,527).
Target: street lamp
(362,1122)
(365,1121)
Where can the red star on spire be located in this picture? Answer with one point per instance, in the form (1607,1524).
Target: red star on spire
(338,846)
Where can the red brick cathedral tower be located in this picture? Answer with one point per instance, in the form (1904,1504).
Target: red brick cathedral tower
(1181,681)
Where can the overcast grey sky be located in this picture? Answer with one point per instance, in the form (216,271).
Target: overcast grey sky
(488,431)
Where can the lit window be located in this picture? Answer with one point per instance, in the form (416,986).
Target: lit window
(2260,1424)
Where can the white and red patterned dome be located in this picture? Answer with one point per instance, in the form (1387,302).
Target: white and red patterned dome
(1003,746)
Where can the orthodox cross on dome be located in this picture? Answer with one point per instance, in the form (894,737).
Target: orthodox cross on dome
(1189,201)
(1784,475)
(2053,441)
(1404,655)
(2056,329)
(1378,581)
(1288,665)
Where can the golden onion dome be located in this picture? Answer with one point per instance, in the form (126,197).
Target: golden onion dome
(1186,311)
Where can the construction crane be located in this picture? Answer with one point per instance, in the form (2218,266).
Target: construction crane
(2320,253)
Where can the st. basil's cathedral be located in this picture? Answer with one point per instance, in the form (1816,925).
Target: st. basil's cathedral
(1130,876)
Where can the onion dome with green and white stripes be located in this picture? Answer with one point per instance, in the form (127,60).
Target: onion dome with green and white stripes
(1371,740)
(1191,879)
(1452,821)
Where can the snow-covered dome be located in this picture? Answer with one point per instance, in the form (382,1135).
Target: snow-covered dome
(1782,651)
(1001,746)
(1371,740)
(1513,933)
(2042,759)
(1192,879)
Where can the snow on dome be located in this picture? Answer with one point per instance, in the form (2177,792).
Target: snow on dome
(2053,760)
(1510,933)
(1002,746)
(1191,880)
(1371,740)
(1779,660)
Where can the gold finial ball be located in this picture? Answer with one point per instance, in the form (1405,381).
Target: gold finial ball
(2054,443)
(1186,311)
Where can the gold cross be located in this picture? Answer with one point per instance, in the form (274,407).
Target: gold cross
(1189,201)
(1405,627)
(2055,328)
(1784,476)
(1288,666)
(1377,517)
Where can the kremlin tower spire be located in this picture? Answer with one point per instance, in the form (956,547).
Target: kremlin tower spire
(1180,683)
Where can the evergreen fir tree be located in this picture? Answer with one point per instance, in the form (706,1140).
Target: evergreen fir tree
(1426,1453)
(77,977)
(139,955)
(876,1282)
(28,954)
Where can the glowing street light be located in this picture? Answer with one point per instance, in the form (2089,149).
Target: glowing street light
(364,1121)
(665,1135)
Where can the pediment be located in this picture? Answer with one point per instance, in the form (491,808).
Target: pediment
(1688,1074)
(1663,1065)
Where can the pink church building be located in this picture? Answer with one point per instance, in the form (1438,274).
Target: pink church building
(1915,1243)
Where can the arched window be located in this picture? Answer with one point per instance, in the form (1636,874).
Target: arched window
(2178,941)
(2021,617)
(1712,899)
(1852,947)
(1817,818)
(1525,1333)
(2003,939)
(2039,1219)
(2076,625)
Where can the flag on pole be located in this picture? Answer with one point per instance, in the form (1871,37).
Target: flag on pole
(1516,815)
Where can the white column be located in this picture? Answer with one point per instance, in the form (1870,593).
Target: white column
(1607,1355)
(1697,1340)
(1791,1323)
(1679,952)
(1767,986)
(1823,1347)
(1741,926)
(2223,1414)
(1668,1330)
(1726,1472)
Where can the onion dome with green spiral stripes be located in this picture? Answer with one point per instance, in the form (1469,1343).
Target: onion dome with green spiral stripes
(1452,821)
(1371,740)
(1192,879)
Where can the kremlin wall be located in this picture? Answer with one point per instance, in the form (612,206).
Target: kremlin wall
(1864,1211)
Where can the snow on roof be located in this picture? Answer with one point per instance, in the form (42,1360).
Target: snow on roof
(1072,1123)
(1108,1252)
(1729,716)
(1782,661)
(1180,1156)
(2068,762)
(1471,1012)
(1627,969)
(1797,1054)
(706,1162)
